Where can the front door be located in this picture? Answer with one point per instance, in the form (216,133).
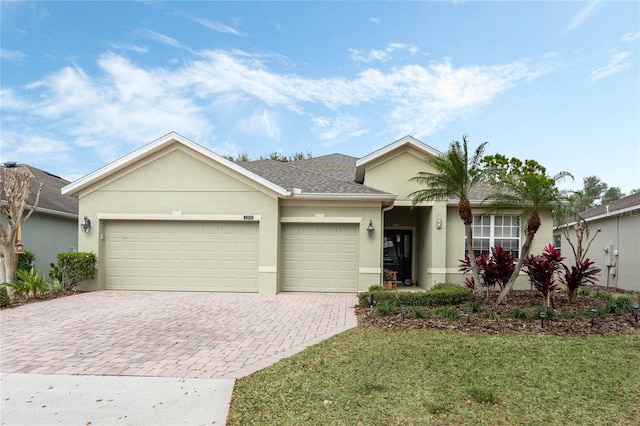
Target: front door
(398,253)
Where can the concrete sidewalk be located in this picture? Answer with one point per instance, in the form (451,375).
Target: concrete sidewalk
(39,399)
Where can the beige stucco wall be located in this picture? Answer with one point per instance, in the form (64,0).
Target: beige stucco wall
(369,252)
(178,183)
(392,173)
(618,233)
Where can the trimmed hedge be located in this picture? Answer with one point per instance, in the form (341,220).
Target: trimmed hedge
(443,294)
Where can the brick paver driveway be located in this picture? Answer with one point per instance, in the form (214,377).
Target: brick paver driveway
(167,334)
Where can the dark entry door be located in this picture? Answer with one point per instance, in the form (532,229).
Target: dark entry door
(397,252)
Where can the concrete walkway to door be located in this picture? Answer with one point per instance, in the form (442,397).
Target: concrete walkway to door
(150,358)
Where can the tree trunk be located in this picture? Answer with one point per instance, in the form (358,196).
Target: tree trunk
(9,264)
(465,213)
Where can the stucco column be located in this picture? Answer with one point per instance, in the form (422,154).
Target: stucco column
(437,229)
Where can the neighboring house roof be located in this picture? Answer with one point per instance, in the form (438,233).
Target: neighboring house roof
(51,200)
(624,204)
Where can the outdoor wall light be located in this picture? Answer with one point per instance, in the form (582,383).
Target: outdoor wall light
(370,228)
(594,313)
(543,315)
(85,225)
(403,309)
(636,309)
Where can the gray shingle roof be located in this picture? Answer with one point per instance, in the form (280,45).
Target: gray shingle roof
(50,198)
(623,203)
(330,174)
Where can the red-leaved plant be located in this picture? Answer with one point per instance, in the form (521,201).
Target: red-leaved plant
(581,274)
(494,269)
(542,270)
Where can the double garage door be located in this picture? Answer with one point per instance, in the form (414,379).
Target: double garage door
(189,256)
(223,256)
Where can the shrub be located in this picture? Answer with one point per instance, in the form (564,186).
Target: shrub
(445,286)
(619,306)
(416,312)
(542,270)
(76,267)
(493,269)
(448,313)
(54,272)
(604,295)
(519,313)
(26,260)
(581,274)
(376,287)
(5,299)
(384,308)
(30,283)
(452,295)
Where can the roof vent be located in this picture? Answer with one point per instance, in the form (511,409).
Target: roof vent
(10,164)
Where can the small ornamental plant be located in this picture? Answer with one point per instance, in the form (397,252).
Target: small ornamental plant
(543,271)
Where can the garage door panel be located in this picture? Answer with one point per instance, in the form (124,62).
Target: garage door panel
(207,256)
(320,257)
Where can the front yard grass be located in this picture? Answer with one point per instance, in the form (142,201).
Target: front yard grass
(373,376)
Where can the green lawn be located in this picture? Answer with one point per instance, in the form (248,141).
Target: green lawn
(372,376)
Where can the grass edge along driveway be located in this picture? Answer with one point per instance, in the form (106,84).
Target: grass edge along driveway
(372,376)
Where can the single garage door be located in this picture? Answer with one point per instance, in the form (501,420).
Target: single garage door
(320,257)
(189,256)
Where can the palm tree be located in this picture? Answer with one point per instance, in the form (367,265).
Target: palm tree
(535,192)
(455,174)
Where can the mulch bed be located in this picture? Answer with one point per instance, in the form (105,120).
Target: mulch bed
(481,322)
(24,301)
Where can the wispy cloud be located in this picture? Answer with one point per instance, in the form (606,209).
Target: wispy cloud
(375,20)
(338,129)
(630,37)
(162,38)
(216,26)
(381,55)
(12,55)
(123,104)
(617,62)
(582,16)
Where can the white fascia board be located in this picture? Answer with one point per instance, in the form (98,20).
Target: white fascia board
(346,197)
(604,215)
(407,140)
(156,145)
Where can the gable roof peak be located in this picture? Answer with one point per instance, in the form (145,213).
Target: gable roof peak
(405,141)
(155,146)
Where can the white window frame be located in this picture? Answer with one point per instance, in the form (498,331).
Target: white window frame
(486,230)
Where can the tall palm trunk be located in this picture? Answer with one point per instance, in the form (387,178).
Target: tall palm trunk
(464,210)
(533,224)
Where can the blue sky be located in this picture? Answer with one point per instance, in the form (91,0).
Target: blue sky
(83,83)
